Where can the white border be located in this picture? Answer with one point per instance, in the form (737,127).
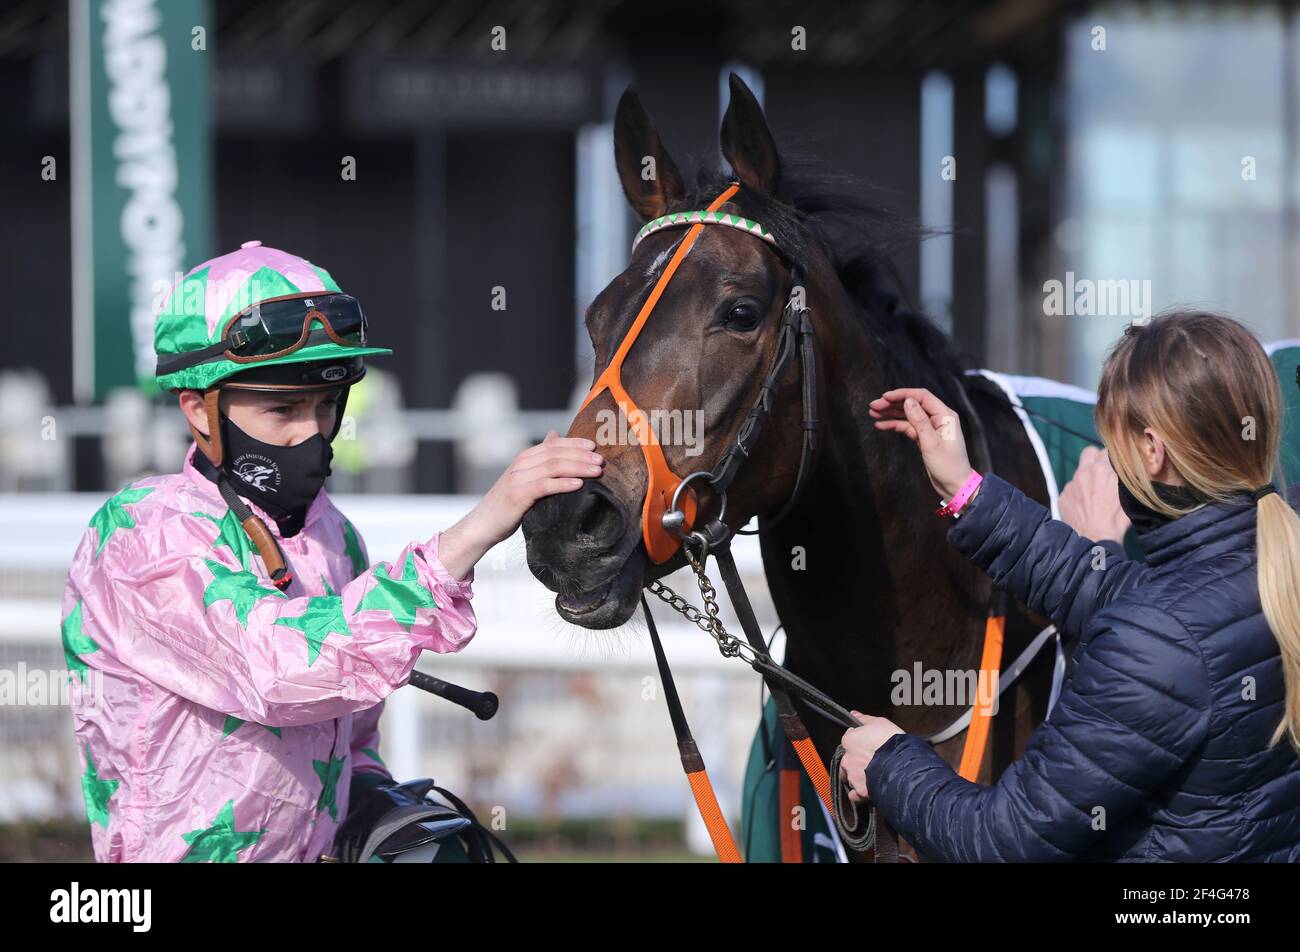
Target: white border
(1037,387)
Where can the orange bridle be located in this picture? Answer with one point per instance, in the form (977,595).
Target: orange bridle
(660,544)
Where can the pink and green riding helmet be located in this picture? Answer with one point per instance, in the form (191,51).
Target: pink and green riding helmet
(258,308)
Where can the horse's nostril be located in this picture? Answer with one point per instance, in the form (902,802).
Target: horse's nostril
(598,519)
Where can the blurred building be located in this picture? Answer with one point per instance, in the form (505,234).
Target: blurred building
(1107,141)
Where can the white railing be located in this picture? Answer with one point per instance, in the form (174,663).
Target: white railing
(577,733)
(137,434)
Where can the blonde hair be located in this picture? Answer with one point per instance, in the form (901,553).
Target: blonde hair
(1204,385)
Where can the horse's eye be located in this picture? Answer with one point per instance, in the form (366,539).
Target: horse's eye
(743,317)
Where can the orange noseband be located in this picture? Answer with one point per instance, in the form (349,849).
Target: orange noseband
(660,544)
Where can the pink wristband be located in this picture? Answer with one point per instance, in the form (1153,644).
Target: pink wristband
(954,506)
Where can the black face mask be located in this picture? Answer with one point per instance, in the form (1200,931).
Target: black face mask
(1143,517)
(283,480)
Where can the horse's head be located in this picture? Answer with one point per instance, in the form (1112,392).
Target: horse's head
(677,380)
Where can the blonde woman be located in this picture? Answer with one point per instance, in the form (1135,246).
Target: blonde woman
(1176,736)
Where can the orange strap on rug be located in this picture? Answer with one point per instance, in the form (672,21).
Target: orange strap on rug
(977,734)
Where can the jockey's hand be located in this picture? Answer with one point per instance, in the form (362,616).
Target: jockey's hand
(1090,500)
(925,420)
(558,464)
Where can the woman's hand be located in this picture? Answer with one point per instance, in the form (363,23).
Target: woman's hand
(860,745)
(558,464)
(926,421)
(1090,501)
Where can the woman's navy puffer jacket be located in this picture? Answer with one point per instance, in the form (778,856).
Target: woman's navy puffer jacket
(1158,746)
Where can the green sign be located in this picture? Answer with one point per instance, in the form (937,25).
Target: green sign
(141,132)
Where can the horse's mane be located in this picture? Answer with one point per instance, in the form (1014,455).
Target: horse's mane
(860,236)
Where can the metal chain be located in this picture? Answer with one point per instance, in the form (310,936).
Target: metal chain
(707,621)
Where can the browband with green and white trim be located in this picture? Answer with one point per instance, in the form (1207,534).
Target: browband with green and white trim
(729,219)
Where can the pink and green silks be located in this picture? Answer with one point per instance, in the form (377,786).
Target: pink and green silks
(230,716)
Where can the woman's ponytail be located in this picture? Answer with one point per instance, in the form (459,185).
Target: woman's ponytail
(1277,544)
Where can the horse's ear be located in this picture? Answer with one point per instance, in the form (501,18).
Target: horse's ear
(746,141)
(650,178)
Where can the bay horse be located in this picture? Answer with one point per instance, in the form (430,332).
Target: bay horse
(859,568)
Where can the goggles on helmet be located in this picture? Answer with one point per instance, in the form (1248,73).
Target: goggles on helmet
(277,327)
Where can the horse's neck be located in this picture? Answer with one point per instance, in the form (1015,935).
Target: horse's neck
(861,572)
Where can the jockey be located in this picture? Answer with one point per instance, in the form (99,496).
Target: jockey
(233,641)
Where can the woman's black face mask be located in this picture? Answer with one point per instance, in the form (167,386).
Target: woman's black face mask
(1143,517)
(283,480)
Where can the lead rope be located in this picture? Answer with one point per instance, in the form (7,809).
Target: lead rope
(832,789)
(790,721)
(859,834)
(780,682)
